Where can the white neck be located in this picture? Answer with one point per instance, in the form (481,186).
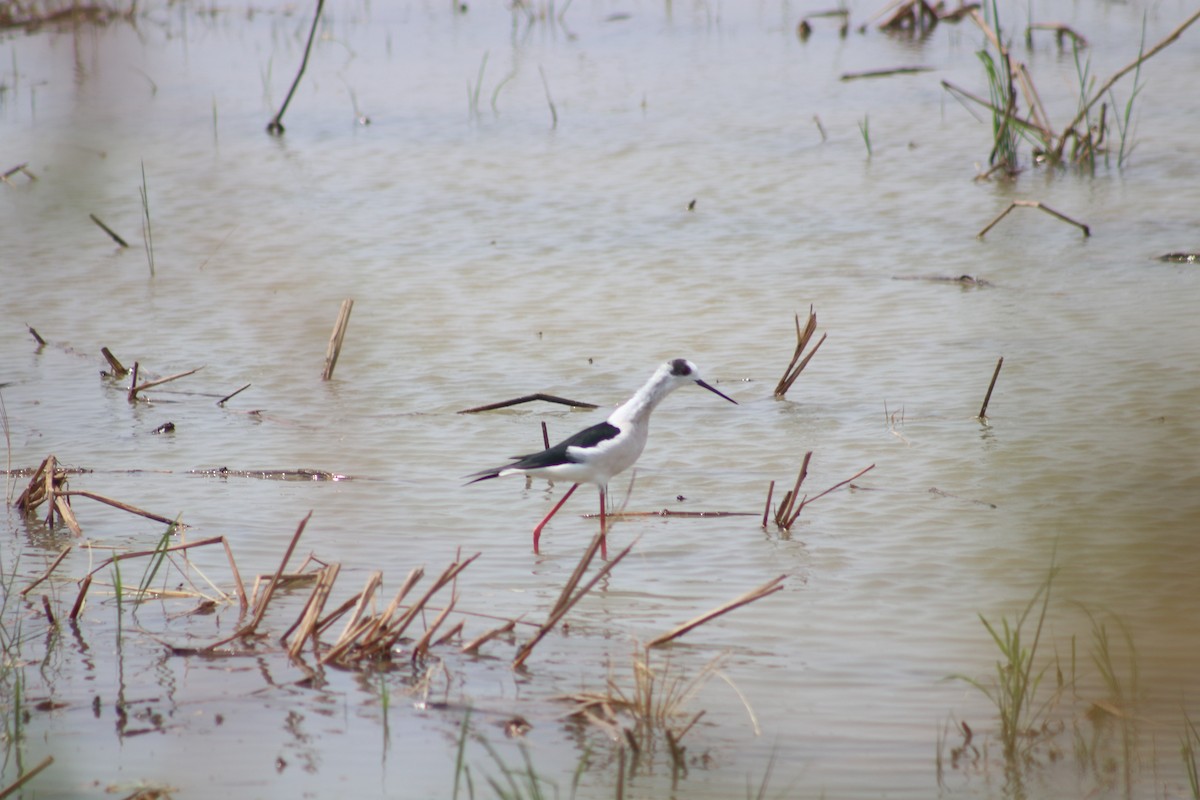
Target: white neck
(636,409)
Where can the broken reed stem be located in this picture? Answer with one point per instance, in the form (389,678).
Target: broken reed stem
(987,397)
(232,395)
(53,566)
(83,590)
(749,597)
(135,387)
(1116,76)
(241,590)
(545,435)
(838,485)
(118,369)
(147,232)
(275,126)
(27,777)
(133,383)
(307,622)
(561,608)
(422,645)
(118,504)
(767,508)
(36,336)
(483,639)
(261,611)
(529,398)
(549,99)
(797,365)
(446,577)
(63,505)
(1038,204)
(374,581)
(450,634)
(783,516)
(336,338)
(113,234)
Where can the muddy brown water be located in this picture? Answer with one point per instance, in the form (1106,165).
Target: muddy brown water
(492,254)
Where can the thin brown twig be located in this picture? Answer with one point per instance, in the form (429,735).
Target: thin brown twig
(336,338)
(53,565)
(484,638)
(118,369)
(1038,204)
(27,777)
(768,588)
(232,395)
(529,398)
(113,234)
(261,611)
(1116,76)
(121,505)
(312,610)
(562,608)
(988,397)
(133,391)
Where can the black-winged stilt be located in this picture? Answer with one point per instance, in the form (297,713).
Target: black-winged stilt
(596,454)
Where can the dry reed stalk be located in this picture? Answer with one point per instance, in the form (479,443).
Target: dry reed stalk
(113,234)
(1098,94)
(451,572)
(767,508)
(529,398)
(336,338)
(26,778)
(135,387)
(836,486)
(988,397)
(1038,204)
(232,395)
(479,641)
(422,645)
(83,590)
(123,506)
(564,605)
(884,73)
(549,99)
(241,590)
(275,126)
(797,365)
(545,435)
(455,630)
(118,369)
(48,611)
(783,515)
(359,601)
(132,383)
(380,624)
(36,336)
(261,610)
(307,622)
(38,489)
(53,566)
(1061,32)
(749,597)
(63,504)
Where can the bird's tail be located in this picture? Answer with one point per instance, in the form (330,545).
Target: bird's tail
(483,475)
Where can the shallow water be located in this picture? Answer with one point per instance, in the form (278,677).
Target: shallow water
(490,255)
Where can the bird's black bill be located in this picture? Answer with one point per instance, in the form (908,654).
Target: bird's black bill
(717,392)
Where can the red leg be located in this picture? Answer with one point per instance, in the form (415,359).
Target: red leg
(603,528)
(537,532)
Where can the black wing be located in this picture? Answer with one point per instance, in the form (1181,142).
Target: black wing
(588,437)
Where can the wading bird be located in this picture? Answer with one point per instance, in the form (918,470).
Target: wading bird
(596,454)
